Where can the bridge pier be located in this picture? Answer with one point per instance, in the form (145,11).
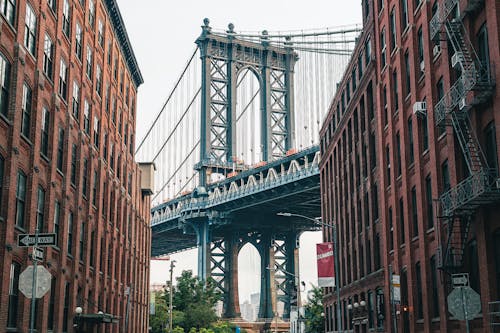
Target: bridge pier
(292,266)
(203,242)
(232,299)
(267,288)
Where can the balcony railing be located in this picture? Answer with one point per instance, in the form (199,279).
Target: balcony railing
(464,196)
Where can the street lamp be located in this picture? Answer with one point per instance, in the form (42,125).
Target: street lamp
(318,221)
(78,321)
(170,307)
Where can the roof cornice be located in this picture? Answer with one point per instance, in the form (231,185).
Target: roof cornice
(125,45)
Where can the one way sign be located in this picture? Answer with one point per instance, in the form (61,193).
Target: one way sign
(44,240)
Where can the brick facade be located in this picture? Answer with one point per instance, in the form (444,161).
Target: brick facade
(90,175)
(382,175)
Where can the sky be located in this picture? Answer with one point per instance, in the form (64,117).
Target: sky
(162,34)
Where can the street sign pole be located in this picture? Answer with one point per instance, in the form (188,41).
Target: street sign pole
(464,303)
(33,293)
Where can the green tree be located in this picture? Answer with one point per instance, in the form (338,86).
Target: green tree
(158,321)
(314,315)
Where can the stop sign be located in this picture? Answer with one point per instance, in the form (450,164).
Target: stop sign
(464,303)
(43,280)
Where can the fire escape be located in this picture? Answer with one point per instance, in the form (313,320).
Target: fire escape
(473,87)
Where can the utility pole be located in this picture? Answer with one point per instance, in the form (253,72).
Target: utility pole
(170,307)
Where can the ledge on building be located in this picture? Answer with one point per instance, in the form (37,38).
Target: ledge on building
(147,177)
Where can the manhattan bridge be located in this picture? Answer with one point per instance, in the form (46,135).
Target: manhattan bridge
(235,143)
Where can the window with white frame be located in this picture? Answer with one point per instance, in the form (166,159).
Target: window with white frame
(78,41)
(30,30)
(91,13)
(48,56)
(86,115)
(63,79)
(66,22)
(100,33)
(44,144)
(76,101)
(8,9)
(98,80)
(26,107)
(89,62)
(96,132)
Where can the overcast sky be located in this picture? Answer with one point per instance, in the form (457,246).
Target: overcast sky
(162,34)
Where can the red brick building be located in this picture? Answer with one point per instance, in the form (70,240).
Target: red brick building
(412,185)
(68,79)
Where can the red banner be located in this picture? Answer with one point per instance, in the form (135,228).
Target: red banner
(326,270)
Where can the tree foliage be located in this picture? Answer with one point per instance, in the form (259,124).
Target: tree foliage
(314,315)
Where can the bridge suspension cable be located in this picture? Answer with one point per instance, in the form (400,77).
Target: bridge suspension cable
(173,139)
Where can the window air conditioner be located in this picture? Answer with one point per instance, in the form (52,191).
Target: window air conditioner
(420,108)
(462,103)
(436,50)
(456,59)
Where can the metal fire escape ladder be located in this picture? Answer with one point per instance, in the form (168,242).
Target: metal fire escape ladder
(473,87)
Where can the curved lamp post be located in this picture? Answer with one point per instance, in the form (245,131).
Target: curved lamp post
(318,221)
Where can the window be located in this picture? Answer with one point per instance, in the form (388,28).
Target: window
(445,175)
(60,146)
(96,132)
(111,156)
(407,73)
(404,14)
(425,132)
(52,5)
(8,8)
(76,101)
(414,211)
(388,163)
(98,80)
(89,62)
(73,165)
(66,22)
(4,84)
(368,51)
(491,146)
(92,249)
(91,13)
(473,265)
(116,69)
(44,142)
(380,5)
(100,33)
(20,199)
(391,230)
(57,220)
(420,41)
(360,67)
(122,81)
(85,177)
(384,101)
(108,97)
(40,206)
(395,90)
(78,41)
(26,106)
(428,198)
(418,278)
(63,79)
(30,30)
(70,233)
(382,48)
(86,117)
(393,29)
(52,303)
(434,284)
(410,141)
(375,202)
(105,146)
(398,151)
(66,298)
(110,48)
(15,270)
(483,48)
(2,168)
(81,242)
(94,189)
(48,59)
(373,157)
(402,221)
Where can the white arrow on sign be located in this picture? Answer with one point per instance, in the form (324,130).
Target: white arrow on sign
(43,280)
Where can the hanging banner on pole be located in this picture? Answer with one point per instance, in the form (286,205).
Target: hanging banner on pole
(326,270)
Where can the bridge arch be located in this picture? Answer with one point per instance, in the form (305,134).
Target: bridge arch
(249,277)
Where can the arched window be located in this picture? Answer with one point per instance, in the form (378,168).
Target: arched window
(4,85)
